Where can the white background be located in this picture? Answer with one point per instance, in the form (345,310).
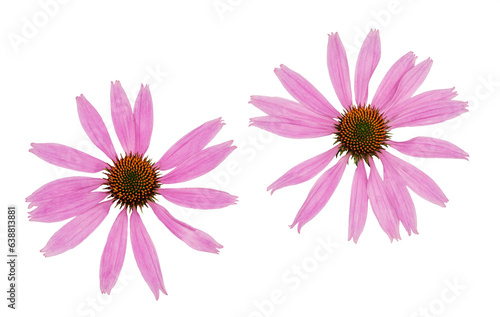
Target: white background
(204,62)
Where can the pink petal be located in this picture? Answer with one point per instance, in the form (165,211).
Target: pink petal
(123,118)
(417,101)
(339,70)
(63,187)
(198,198)
(320,193)
(305,170)
(305,93)
(67,157)
(145,255)
(288,109)
(94,127)
(430,112)
(429,147)
(381,206)
(388,86)
(193,237)
(190,144)
(295,129)
(199,164)
(359,203)
(143,115)
(114,253)
(368,59)
(410,82)
(65,207)
(417,180)
(399,196)
(77,230)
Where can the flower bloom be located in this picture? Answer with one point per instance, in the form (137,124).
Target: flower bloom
(362,131)
(130,181)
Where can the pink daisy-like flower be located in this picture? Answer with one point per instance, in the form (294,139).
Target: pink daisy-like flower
(131,181)
(362,131)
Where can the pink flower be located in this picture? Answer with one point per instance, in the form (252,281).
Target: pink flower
(363,131)
(131,181)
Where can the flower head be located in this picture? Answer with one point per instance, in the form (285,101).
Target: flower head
(363,132)
(130,181)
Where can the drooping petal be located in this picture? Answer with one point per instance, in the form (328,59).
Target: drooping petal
(387,88)
(305,170)
(381,206)
(417,180)
(199,164)
(143,115)
(339,70)
(123,118)
(288,109)
(430,112)
(399,196)
(305,93)
(114,253)
(67,157)
(359,203)
(64,187)
(295,129)
(429,147)
(94,127)
(368,59)
(190,144)
(145,255)
(64,207)
(193,237)
(198,198)
(410,82)
(320,193)
(77,230)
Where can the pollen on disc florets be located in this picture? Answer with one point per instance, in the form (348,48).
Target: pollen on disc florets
(132,181)
(362,132)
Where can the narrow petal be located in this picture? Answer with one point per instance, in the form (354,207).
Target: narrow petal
(114,253)
(199,164)
(198,198)
(305,170)
(193,237)
(65,207)
(381,206)
(77,230)
(417,180)
(399,196)
(368,59)
(123,118)
(145,255)
(339,70)
(190,144)
(143,115)
(359,203)
(67,157)
(430,112)
(429,147)
(288,128)
(288,109)
(94,127)
(320,193)
(410,82)
(305,93)
(64,187)
(388,86)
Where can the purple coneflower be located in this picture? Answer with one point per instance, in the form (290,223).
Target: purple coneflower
(131,182)
(362,131)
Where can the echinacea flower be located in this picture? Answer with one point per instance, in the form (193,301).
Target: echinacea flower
(363,131)
(131,182)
